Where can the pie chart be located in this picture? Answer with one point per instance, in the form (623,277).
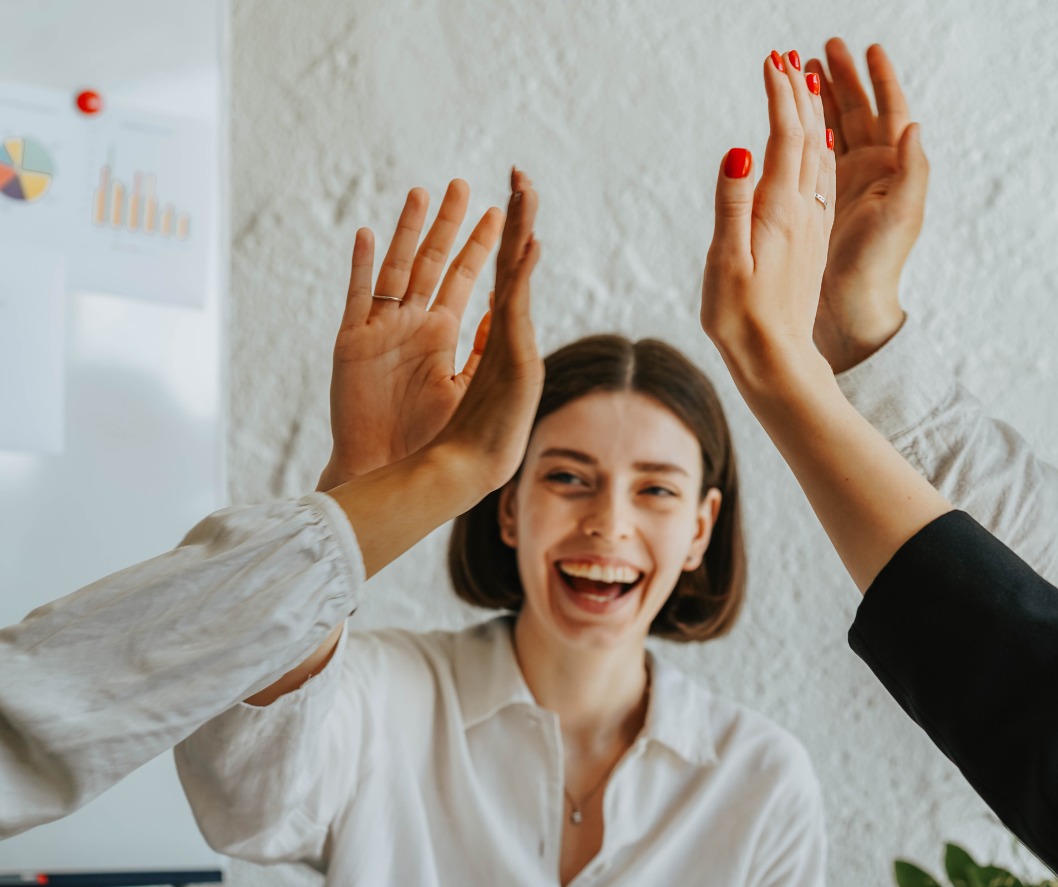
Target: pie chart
(25,170)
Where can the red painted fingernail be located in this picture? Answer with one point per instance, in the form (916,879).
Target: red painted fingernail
(830,139)
(776,60)
(795,59)
(738,162)
(813,83)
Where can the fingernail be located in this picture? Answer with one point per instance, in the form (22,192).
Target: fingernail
(795,59)
(830,138)
(738,162)
(776,60)
(517,197)
(813,83)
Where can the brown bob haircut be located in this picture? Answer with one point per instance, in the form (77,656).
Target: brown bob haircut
(705,601)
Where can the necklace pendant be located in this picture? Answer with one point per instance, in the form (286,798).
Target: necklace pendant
(575,816)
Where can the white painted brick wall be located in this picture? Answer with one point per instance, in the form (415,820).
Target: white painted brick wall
(620,112)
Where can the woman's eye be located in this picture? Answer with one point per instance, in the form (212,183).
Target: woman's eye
(660,492)
(564,477)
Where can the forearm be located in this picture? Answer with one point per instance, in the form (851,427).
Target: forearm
(982,466)
(138,660)
(390,510)
(394,507)
(964,634)
(866,496)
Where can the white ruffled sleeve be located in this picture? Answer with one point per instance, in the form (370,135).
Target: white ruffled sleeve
(98,683)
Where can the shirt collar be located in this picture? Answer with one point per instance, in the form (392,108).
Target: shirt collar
(488,680)
(678,714)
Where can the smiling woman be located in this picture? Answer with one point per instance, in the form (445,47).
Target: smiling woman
(667,405)
(550,729)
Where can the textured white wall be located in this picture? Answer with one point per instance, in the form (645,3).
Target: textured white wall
(621,112)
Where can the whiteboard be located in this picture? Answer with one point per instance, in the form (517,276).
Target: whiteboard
(143,456)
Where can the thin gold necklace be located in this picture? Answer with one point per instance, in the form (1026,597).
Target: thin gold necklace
(576,811)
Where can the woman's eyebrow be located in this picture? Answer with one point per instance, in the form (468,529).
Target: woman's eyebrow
(585,459)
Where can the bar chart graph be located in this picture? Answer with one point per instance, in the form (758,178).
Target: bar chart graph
(137,209)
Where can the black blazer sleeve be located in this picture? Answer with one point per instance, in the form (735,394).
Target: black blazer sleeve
(964,634)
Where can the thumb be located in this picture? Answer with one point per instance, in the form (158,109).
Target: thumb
(912,175)
(734,207)
(480,338)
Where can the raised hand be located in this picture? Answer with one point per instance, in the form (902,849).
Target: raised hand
(769,249)
(759,302)
(493,421)
(394,385)
(882,175)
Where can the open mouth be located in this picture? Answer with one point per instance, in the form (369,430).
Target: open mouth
(599,583)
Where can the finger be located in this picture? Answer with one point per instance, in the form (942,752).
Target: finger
(515,261)
(782,157)
(912,176)
(396,267)
(358,298)
(857,118)
(810,113)
(481,337)
(433,253)
(830,106)
(466,268)
(732,228)
(892,106)
(516,301)
(826,183)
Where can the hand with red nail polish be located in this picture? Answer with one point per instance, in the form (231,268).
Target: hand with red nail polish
(765,264)
(882,175)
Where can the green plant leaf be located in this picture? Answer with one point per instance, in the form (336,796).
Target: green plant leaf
(993,876)
(909,875)
(961,868)
(964,872)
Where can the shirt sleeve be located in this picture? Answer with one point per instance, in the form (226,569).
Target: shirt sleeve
(102,681)
(964,635)
(793,845)
(268,783)
(981,465)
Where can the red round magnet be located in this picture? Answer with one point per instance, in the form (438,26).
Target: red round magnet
(89,102)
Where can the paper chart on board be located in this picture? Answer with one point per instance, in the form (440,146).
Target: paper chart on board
(41,153)
(128,196)
(145,208)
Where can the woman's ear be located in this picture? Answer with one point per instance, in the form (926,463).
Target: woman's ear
(505,513)
(708,510)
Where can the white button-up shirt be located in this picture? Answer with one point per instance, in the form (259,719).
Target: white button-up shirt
(423,759)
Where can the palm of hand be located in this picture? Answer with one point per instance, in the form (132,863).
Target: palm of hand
(866,221)
(394,386)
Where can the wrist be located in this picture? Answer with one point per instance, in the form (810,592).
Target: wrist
(855,320)
(394,507)
(772,373)
(332,477)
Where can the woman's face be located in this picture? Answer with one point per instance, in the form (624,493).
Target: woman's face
(604,516)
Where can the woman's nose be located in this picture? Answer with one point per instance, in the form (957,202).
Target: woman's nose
(607,517)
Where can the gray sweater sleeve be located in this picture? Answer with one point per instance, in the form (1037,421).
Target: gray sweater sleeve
(981,465)
(100,682)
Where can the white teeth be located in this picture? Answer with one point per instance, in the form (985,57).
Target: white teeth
(598,598)
(608,573)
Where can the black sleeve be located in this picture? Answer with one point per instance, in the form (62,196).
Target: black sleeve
(964,635)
